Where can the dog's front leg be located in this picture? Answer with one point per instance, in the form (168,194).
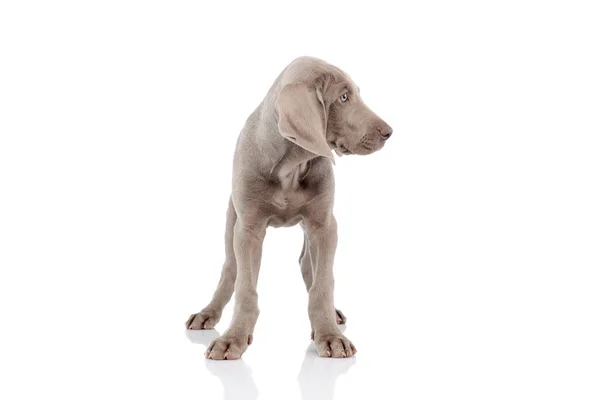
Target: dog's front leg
(247,244)
(329,340)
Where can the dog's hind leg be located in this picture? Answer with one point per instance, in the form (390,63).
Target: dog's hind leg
(210,315)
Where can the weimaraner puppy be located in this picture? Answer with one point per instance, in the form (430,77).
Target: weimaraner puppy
(282,176)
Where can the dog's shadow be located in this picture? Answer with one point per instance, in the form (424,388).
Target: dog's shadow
(316,378)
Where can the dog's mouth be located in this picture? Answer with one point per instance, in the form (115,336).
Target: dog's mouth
(368,145)
(364,150)
(364,147)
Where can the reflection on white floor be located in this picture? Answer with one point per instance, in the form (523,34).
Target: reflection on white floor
(317,376)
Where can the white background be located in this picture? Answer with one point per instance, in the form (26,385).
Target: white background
(468,259)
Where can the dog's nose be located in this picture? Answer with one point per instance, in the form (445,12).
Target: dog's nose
(385,131)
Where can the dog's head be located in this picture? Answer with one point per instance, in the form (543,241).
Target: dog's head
(320,109)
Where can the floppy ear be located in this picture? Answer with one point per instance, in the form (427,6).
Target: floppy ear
(302,118)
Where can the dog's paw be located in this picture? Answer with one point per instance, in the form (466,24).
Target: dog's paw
(205,319)
(228,347)
(340,317)
(334,345)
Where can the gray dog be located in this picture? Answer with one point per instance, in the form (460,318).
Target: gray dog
(282,176)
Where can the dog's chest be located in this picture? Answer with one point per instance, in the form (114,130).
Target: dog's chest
(289,199)
(288,196)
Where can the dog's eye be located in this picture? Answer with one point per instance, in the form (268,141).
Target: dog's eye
(344,97)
